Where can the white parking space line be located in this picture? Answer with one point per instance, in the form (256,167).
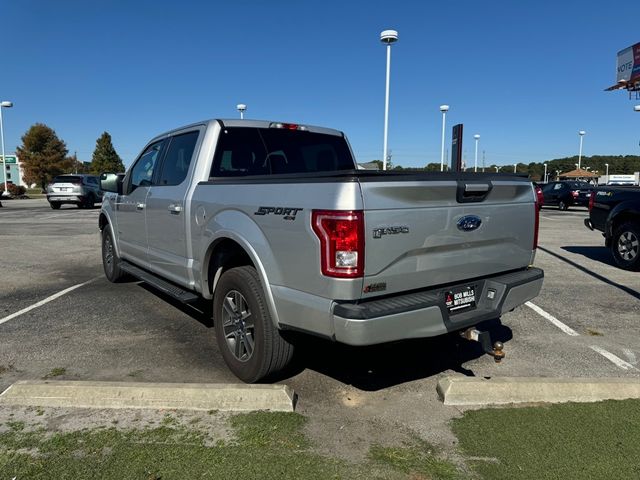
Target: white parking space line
(613,358)
(565,328)
(46,300)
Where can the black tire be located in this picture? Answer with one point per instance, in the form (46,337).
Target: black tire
(250,343)
(110,259)
(625,246)
(563,206)
(55,205)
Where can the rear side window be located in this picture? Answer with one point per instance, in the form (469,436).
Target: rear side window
(271,151)
(178,158)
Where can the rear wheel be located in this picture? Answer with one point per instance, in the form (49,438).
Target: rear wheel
(625,246)
(54,205)
(110,259)
(250,343)
(562,205)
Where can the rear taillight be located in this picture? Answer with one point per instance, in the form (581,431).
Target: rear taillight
(592,200)
(536,228)
(341,235)
(575,193)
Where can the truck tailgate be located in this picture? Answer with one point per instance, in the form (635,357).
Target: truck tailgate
(425,233)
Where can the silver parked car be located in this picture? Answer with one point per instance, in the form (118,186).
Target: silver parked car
(79,189)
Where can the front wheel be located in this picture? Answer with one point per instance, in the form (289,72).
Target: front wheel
(625,246)
(55,205)
(250,343)
(110,259)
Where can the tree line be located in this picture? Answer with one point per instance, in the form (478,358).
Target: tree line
(618,164)
(44,155)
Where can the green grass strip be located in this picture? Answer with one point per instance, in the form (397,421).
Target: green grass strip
(566,441)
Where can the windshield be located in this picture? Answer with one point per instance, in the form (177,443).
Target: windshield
(67,179)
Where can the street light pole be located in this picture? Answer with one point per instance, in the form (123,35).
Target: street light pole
(515,167)
(607,165)
(544,180)
(581,133)
(241,108)
(444,109)
(388,37)
(475,162)
(4,104)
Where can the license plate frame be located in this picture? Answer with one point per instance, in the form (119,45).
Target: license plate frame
(460,299)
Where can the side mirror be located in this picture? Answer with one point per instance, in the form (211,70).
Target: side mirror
(112,182)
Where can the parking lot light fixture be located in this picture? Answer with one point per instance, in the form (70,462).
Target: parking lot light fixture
(444,109)
(476,137)
(581,133)
(241,108)
(4,104)
(387,37)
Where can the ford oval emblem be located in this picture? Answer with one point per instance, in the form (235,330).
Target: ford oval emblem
(468,223)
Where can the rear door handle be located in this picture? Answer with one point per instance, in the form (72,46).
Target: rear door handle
(176,209)
(140,206)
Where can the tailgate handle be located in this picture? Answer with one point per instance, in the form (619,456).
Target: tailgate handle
(473,192)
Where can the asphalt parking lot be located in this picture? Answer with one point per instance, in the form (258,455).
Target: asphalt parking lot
(585,323)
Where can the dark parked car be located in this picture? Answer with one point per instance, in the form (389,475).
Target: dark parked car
(79,189)
(566,193)
(615,211)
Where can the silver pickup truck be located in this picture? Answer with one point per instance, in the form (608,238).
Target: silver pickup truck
(273,223)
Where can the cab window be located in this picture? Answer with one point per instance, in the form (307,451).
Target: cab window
(142,171)
(178,158)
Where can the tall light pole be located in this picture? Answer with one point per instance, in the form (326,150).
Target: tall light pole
(515,167)
(475,162)
(4,104)
(444,109)
(581,133)
(544,179)
(241,108)
(388,37)
(607,165)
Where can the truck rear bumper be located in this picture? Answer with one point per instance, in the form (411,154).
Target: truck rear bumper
(424,314)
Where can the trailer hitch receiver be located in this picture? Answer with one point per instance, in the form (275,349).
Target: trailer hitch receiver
(496,350)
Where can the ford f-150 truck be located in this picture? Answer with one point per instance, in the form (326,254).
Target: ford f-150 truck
(615,211)
(274,223)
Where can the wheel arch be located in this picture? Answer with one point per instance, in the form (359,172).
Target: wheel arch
(230,251)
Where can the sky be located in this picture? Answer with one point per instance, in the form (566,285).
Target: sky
(524,75)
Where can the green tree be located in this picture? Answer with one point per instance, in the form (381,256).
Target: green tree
(105,158)
(43,154)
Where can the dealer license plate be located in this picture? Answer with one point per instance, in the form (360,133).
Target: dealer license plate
(460,299)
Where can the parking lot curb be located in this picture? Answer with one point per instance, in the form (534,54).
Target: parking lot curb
(507,390)
(184,396)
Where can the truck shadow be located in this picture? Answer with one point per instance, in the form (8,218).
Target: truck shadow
(382,366)
(367,368)
(599,254)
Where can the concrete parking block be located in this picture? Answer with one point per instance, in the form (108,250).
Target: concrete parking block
(183,396)
(507,390)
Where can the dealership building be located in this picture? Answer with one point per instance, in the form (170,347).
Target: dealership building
(13,170)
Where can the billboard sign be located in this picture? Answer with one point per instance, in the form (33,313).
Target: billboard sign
(628,66)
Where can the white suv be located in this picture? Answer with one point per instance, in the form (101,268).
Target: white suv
(79,189)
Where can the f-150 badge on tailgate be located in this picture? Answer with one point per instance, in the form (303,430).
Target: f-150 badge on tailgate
(380,231)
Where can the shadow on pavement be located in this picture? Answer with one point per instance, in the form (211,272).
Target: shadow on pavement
(624,288)
(381,366)
(599,254)
(368,368)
